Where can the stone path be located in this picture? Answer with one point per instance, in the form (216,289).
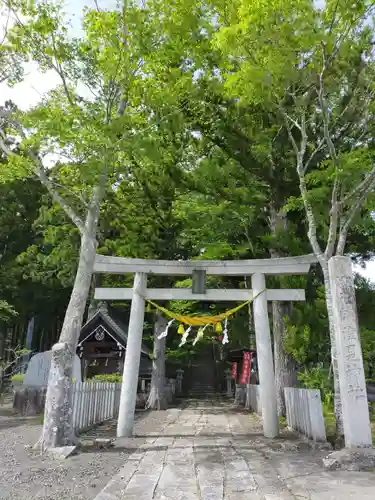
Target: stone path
(207,451)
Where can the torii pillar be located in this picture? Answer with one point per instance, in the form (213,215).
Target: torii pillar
(129,386)
(268,396)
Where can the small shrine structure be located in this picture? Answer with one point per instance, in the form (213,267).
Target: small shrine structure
(102,346)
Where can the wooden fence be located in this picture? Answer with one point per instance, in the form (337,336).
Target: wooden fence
(93,403)
(304,412)
(253,398)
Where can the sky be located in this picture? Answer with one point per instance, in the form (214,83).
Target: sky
(35,85)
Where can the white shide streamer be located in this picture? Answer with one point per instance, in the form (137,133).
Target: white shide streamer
(165,333)
(184,337)
(199,334)
(225,332)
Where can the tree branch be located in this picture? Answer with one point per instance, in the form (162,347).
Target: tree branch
(79,196)
(39,171)
(349,219)
(295,123)
(310,218)
(303,146)
(334,215)
(97,6)
(3,145)
(60,72)
(334,16)
(5,28)
(300,167)
(311,157)
(44,179)
(335,205)
(290,135)
(93,210)
(361,187)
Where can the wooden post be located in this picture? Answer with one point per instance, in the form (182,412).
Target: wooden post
(132,358)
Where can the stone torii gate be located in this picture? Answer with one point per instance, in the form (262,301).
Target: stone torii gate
(257,269)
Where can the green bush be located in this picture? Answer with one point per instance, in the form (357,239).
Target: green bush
(113,378)
(318,378)
(18,378)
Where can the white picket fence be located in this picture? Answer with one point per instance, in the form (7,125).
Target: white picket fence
(93,403)
(304,412)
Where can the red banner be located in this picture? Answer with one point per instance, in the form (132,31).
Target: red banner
(234,371)
(245,373)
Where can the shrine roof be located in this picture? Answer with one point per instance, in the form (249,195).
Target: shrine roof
(117,329)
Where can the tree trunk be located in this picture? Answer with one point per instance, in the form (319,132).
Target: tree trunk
(335,368)
(57,427)
(285,365)
(250,322)
(92,302)
(323,260)
(157,399)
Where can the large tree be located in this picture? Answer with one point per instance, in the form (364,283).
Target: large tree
(313,68)
(84,131)
(243,165)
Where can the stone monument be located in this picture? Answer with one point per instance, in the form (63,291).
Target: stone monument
(29,399)
(38,370)
(228,377)
(356,418)
(179,379)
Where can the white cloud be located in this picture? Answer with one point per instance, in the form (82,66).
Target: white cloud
(31,89)
(368,272)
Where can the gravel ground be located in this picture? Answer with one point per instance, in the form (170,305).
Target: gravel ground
(25,474)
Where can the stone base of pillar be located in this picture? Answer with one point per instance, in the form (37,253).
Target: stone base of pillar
(351,459)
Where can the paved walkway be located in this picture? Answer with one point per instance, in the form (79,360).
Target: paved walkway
(209,452)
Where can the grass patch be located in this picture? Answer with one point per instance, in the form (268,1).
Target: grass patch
(283,422)
(330,422)
(18,378)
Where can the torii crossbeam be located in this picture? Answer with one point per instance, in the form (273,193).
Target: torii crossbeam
(257,269)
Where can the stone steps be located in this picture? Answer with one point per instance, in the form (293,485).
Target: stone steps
(202,390)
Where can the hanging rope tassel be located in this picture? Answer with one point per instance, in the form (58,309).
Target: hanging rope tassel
(165,333)
(185,336)
(181,329)
(218,328)
(225,332)
(199,334)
